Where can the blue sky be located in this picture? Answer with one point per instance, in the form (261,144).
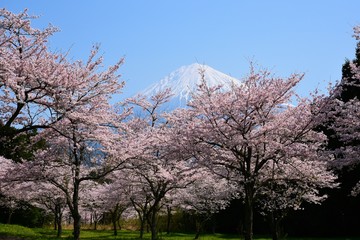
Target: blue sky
(158,36)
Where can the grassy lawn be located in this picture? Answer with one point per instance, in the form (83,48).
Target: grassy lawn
(48,234)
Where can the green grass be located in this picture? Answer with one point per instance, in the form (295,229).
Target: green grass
(18,231)
(49,234)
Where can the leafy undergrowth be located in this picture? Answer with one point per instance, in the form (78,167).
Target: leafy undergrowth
(18,233)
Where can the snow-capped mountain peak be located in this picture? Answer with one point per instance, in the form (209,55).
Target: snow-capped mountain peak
(184,81)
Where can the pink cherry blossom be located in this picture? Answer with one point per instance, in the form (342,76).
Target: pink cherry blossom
(247,133)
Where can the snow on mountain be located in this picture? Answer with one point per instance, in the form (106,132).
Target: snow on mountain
(184,82)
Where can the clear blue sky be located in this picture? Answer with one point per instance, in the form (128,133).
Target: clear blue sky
(158,36)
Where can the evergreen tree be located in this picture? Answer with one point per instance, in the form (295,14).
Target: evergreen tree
(350,84)
(342,209)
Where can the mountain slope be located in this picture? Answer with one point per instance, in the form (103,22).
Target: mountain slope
(184,82)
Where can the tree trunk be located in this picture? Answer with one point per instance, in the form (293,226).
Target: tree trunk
(142,228)
(114,218)
(142,218)
(119,224)
(11,211)
(153,230)
(94,220)
(142,212)
(76,218)
(59,227)
(213,224)
(58,219)
(153,223)
(75,198)
(77,226)
(75,212)
(248,212)
(168,208)
(198,224)
(119,212)
(55,221)
(276,226)
(115,227)
(91,219)
(59,222)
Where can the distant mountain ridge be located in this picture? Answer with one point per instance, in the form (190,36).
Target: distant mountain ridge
(184,81)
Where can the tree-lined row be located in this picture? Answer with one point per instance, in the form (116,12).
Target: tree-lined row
(85,155)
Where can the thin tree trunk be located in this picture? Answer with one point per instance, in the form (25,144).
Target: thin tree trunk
(115,228)
(168,208)
(11,211)
(198,224)
(142,223)
(213,224)
(142,212)
(119,224)
(142,218)
(75,201)
(94,220)
(55,221)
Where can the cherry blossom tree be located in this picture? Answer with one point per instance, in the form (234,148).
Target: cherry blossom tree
(5,166)
(76,154)
(29,73)
(38,194)
(140,201)
(239,134)
(50,198)
(68,100)
(112,197)
(93,204)
(158,167)
(37,87)
(7,192)
(204,197)
(281,193)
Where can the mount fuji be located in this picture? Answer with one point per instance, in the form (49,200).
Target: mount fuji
(184,82)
